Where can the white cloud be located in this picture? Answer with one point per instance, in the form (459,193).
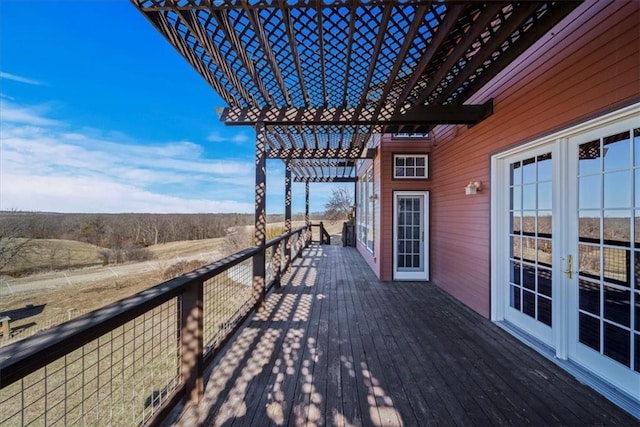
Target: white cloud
(20,79)
(35,115)
(46,165)
(69,194)
(237,138)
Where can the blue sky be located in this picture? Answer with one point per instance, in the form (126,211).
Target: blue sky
(98,113)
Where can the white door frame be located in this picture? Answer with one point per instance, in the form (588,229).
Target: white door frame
(500,241)
(576,350)
(422,275)
(564,228)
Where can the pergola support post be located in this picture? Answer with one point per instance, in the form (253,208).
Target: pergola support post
(259,288)
(307,222)
(287,216)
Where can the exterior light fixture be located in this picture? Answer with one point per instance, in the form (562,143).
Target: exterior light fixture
(473,187)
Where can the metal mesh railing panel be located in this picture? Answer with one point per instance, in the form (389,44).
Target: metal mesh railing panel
(121,378)
(227,299)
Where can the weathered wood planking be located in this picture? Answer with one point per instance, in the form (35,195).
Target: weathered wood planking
(335,346)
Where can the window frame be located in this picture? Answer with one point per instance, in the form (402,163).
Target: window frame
(366,209)
(413,167)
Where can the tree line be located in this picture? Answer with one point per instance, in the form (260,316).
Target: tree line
(123,237)
(115,230)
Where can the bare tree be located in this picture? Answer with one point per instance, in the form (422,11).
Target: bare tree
(14,247)
(340,205)
(237,239)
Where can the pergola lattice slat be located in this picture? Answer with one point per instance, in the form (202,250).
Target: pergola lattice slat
(349,69)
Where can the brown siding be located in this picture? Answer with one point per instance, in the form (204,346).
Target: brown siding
(381,261)
(388,148)
(590,64)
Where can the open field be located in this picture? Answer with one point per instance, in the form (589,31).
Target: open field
(46,299)
(53,254)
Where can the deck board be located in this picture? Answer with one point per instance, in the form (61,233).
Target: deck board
(335,346)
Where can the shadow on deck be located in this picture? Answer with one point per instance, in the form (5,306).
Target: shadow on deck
(335,346)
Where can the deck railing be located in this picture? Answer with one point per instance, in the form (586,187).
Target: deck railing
(324,238)
(132,361)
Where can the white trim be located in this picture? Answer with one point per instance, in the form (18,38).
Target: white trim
(422,275)
(366,209)
(561,219)
(563,342)
(414,167)
(609,369)
(497,245)
(500,237)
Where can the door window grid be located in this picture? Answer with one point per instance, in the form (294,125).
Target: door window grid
(530,237)
(609,290)
(409,233)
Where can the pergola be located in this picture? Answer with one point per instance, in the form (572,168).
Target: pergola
(316,79)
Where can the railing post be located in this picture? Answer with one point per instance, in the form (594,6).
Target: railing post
(5,327)
(307,222)
(260,215)
(191,341)
(276,263)
(324,233)
(287,217)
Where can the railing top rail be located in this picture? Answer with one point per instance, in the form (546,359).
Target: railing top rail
(281,237)
(24,357)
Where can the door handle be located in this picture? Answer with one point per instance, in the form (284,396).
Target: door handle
(569,270)
(422,236)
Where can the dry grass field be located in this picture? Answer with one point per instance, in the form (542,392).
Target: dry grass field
(51,306)
(53,254)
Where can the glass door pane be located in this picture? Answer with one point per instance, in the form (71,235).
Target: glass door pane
(411,240)
(608,211)
(410,234)
(530,236)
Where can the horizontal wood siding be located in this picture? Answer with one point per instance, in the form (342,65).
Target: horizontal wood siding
(388,148)
(589,65)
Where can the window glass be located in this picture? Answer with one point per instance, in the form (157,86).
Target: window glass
(410,166)
(366,209)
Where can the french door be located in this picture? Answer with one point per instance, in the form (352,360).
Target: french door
(567,245)
(605,237)
(410,218)
(530,235)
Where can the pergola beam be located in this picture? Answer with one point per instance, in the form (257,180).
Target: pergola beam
(324,179)
(302,154)
(420,115)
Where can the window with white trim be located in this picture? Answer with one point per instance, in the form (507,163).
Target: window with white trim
(365,210)
(411,166)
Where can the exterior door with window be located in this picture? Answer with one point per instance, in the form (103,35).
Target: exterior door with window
(604,321)
(566,261)
(411,240)
(530,241)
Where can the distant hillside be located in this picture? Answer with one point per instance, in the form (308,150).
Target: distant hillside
(118,230)
(53,254)
(33,241)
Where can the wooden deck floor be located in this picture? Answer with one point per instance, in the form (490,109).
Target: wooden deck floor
(335,346)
